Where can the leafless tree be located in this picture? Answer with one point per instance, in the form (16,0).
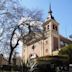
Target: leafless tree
(20,31)
(10,14)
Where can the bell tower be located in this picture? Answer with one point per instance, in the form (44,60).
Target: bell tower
(50,23)
(51,31)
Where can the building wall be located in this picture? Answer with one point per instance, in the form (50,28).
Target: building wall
(42,48)
(38,49)
(48,46)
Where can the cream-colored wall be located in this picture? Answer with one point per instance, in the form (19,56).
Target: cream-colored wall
(46,47)
(42,45)
(40,48)
(37,49)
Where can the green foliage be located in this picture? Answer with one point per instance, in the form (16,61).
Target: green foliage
(67,50)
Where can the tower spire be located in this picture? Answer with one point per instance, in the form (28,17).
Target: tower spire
(50,13)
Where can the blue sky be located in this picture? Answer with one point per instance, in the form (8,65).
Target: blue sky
(62,11)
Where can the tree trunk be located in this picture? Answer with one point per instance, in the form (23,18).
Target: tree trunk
(10,56)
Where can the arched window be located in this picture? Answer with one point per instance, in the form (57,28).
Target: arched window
(48,26)
(46,50)
(33,47)
(55,27)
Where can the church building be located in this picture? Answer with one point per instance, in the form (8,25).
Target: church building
(47,43)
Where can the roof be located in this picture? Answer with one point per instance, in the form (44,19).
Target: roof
(50,20)
(62,38)
(33,37)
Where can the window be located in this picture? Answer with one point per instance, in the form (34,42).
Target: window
(33,47)
(55,27)
(46,50)
(48,26)
(30,55)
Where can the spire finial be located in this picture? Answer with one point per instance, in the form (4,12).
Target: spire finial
(50,13)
